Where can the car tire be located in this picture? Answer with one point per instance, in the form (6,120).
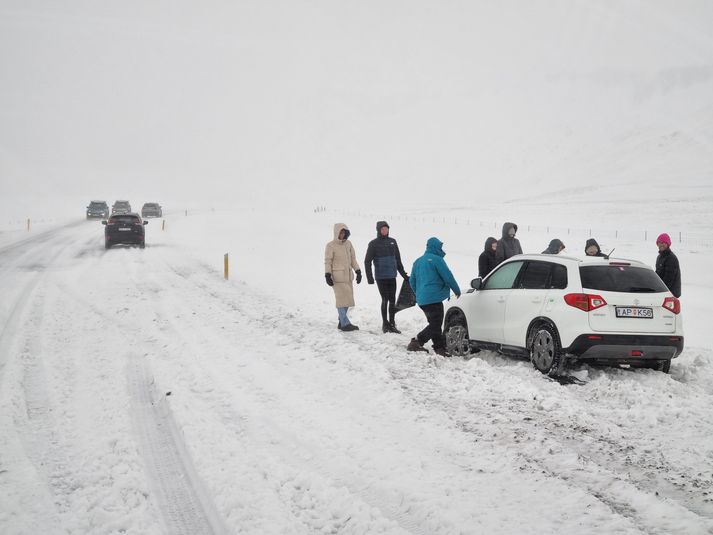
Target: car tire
(107,245)
(457,341)
(546,351)
(661,365)
(142,245)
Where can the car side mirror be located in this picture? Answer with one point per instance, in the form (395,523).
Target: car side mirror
(476,284)
(103,222)
(146,222)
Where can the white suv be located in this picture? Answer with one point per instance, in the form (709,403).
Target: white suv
(555,309)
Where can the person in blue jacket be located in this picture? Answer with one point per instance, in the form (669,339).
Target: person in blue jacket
(432,283)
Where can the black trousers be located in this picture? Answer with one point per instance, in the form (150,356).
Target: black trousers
(387,289)
(433,331)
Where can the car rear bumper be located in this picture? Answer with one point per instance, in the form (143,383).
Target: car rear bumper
(116,239)
(626,348)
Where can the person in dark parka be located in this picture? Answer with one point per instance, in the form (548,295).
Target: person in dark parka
(555,247)
(383,251)
(508,245)
(667,266)
(591,248)
(486,260)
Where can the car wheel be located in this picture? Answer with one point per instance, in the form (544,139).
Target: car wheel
(457,341)
(107,245)
(661,365)
(545,351)
(142,245)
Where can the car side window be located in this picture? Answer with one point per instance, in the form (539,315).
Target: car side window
(559,277)
(503,277)
(535,276)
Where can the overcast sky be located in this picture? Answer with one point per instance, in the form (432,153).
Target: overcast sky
(337,101)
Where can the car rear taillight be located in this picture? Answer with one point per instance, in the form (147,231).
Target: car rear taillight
(672,304)
(585,302)
(110,222)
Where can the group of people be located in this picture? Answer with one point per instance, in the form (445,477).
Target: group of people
(432,280)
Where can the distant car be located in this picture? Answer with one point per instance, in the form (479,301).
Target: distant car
(151,209)
(121,207)
(124,229)
(560,309)
(97,209)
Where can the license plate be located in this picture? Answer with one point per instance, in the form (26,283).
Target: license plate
(124,230)
(634,312)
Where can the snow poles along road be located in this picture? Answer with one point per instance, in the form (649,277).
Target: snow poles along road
(225,266)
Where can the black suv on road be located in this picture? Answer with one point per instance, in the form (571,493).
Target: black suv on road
(120,207)
(151,209)
(124,228)
(97,209)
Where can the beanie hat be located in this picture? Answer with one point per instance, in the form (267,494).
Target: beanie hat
(664,238)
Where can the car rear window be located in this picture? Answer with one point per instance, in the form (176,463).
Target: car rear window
(125,219)
(617,278)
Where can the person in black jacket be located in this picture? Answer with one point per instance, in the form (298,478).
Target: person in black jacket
(508,245)
(383,251)
(667,266)
(591,248)
(486,260)
(555,247)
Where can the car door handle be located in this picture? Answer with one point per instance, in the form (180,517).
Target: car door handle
(537,300)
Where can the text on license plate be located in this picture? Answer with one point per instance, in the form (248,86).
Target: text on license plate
(124,230)
(634,312)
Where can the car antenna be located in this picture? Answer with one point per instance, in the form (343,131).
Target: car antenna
(606,256)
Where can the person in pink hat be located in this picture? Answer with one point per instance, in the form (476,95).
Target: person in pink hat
(667,266)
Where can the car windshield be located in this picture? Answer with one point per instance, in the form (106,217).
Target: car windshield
(617,278)
(97,204)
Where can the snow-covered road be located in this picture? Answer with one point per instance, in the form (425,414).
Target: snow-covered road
(142,393)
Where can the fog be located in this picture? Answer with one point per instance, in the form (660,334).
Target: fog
(352,102)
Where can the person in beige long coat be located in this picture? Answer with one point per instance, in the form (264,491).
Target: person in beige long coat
(340,264)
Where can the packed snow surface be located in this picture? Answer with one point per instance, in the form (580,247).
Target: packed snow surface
(143,393)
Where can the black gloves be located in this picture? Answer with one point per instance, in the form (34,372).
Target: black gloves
(328,276)
(404,275)
(369,278)
(358,274)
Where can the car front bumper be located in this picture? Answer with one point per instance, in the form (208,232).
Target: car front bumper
(626,348)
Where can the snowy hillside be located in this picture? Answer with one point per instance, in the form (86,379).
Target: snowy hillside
(142,393)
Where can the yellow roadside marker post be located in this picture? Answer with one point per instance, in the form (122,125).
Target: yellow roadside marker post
(225,266)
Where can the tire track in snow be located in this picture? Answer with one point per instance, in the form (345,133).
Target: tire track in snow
(184,503)
(186,506)
(39,435)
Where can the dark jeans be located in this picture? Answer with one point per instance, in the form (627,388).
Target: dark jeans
(387,289)
(434,315)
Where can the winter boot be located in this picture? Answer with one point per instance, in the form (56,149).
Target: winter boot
(392,327)
(413,345)
(350,327)
(339,325)
(385,327)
